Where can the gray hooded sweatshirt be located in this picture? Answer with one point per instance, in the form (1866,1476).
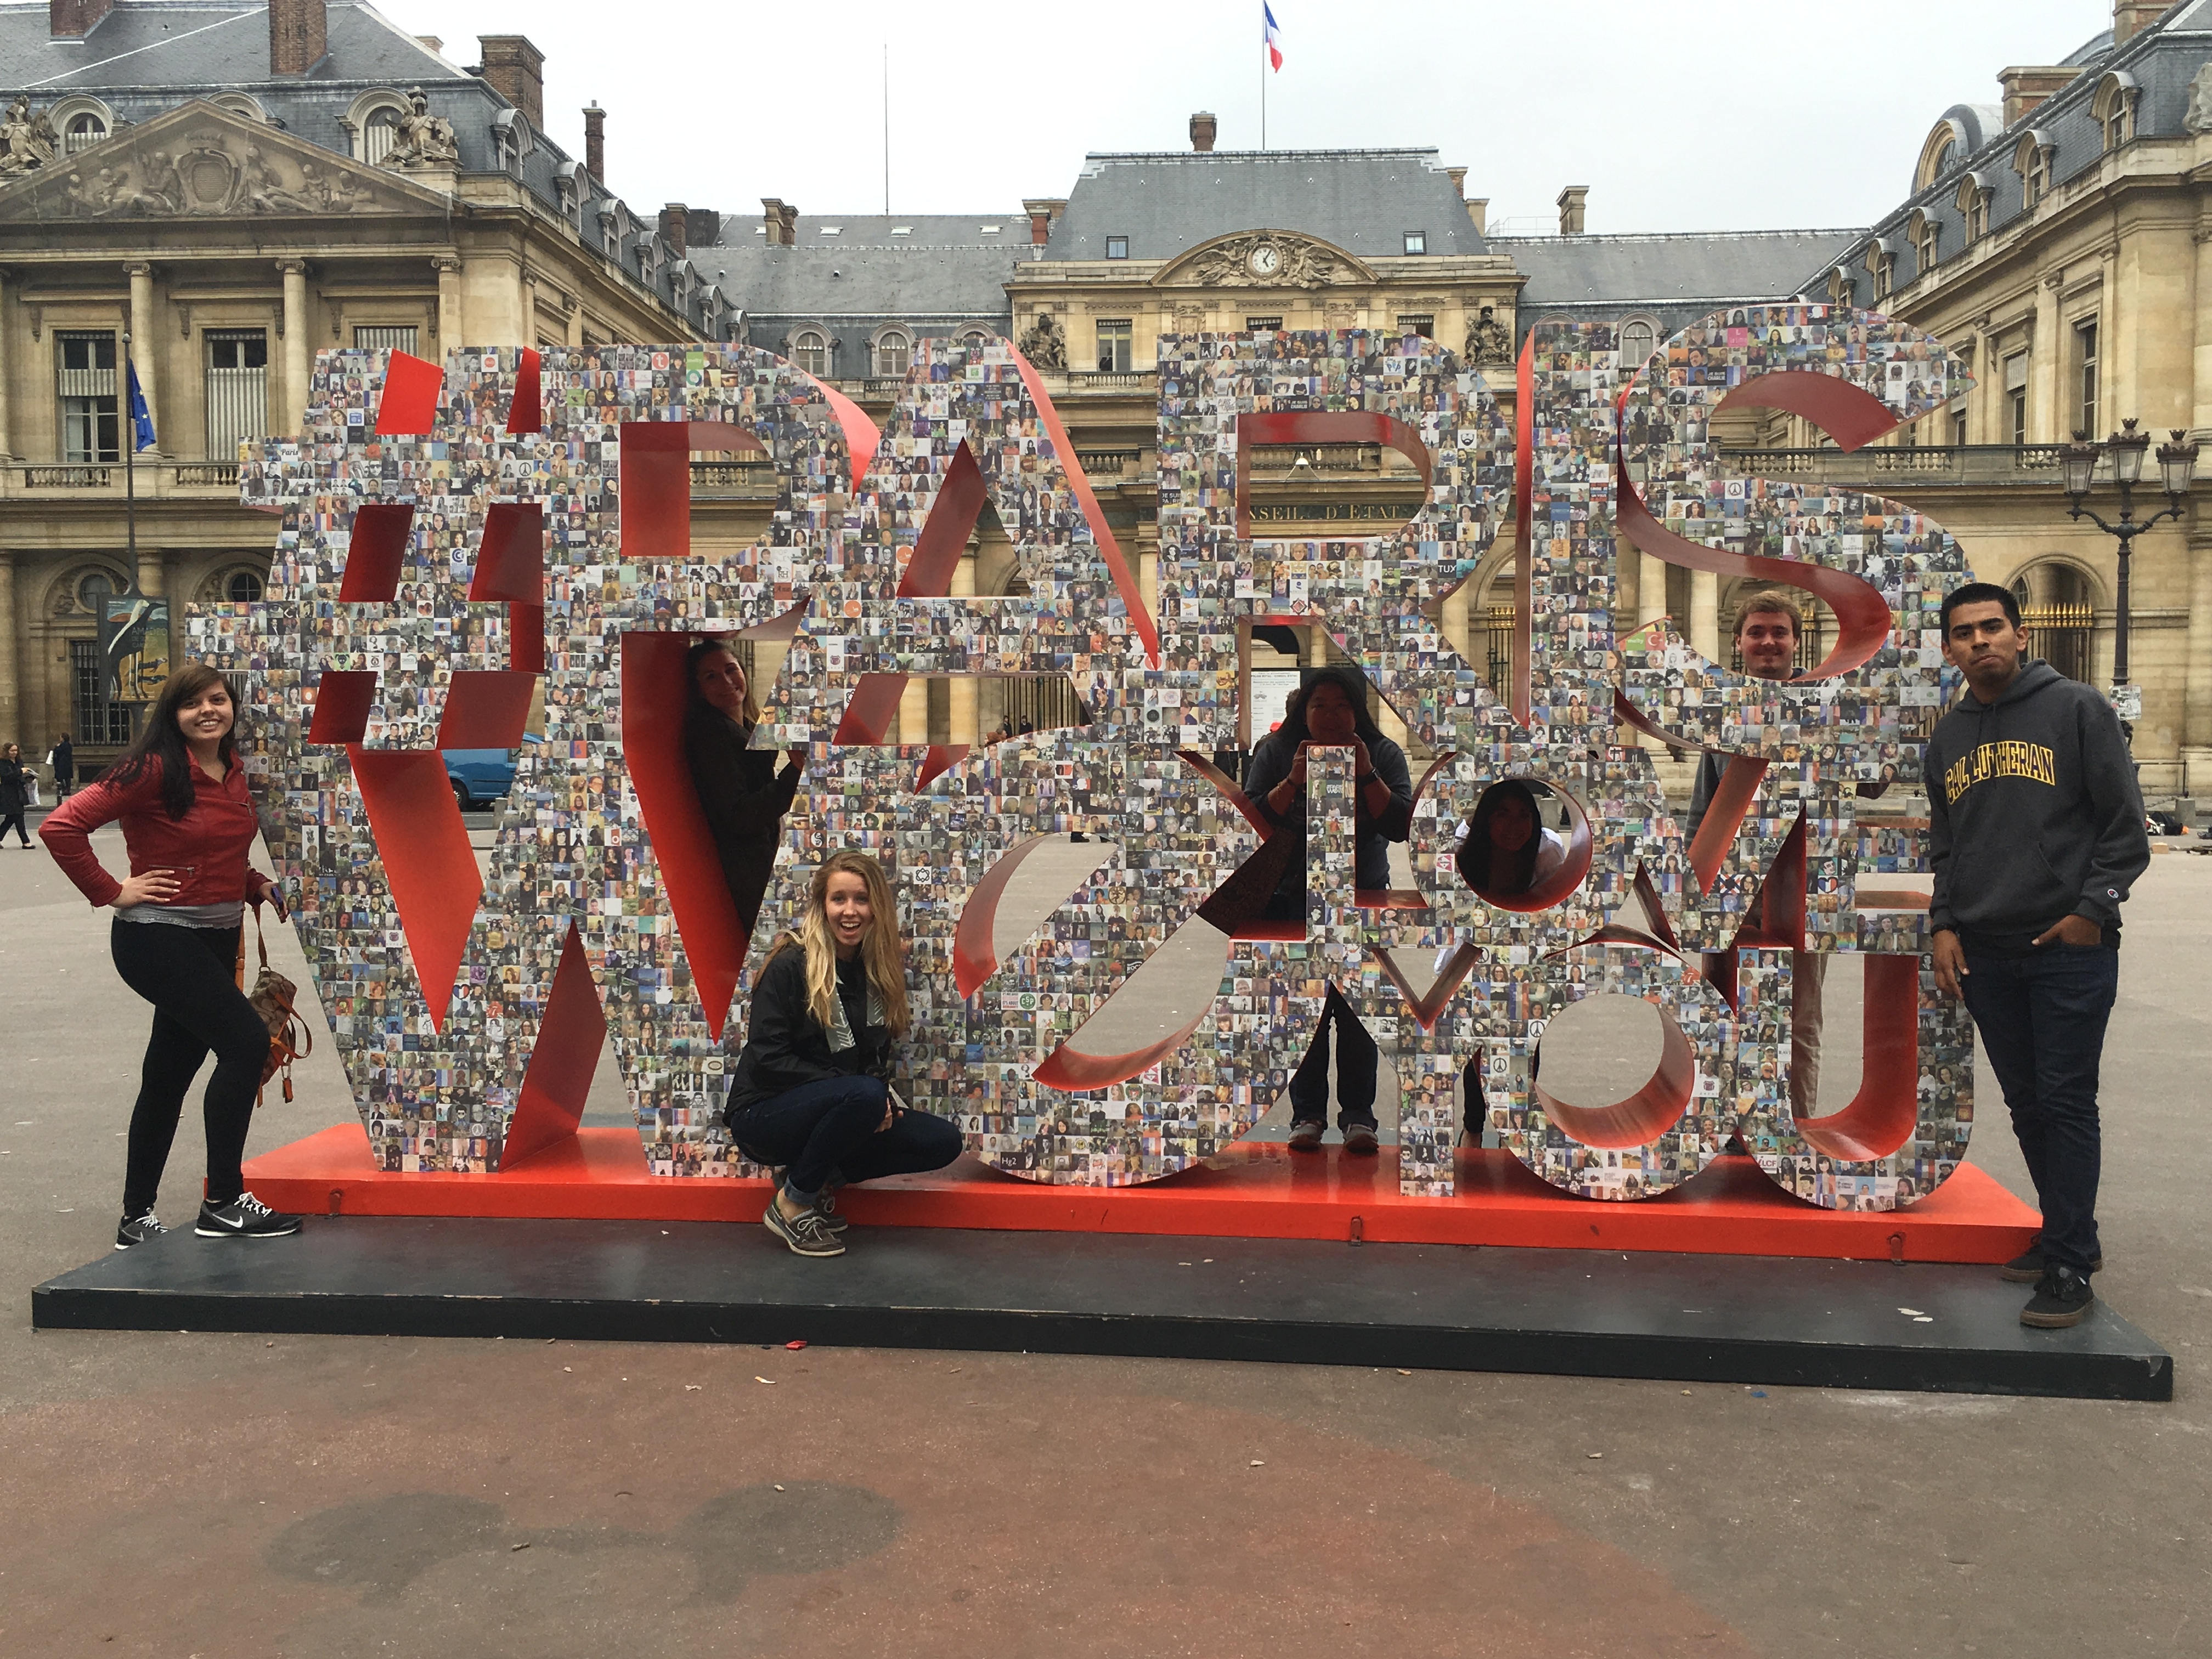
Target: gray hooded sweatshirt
(2034,813)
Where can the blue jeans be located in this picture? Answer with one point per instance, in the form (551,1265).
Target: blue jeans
(2042,1020)
(827,1133)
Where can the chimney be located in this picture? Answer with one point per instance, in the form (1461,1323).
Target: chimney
(1458,176)
(788,217)
(432,41)
(675,219)
(72,20)
(1043,212)
(703,228)
(1570,209)
(516,70)
(2131,17)
(1201,131)
(595,142)
(782,221)
(1478,209)
(2026,88)
(299,36)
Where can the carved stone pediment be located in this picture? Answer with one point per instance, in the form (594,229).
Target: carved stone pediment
(199,161)
(1264,258)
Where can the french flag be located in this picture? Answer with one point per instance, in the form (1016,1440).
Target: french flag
(1270,36)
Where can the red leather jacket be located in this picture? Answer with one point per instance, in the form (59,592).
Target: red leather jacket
(205,850)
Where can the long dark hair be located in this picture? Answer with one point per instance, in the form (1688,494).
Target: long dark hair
(1351,682)
(161,744)
(1479,859)
(749,712)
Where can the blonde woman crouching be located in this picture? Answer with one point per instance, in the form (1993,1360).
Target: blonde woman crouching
(811,1092)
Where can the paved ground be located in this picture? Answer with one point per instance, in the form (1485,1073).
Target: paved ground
(171,1495)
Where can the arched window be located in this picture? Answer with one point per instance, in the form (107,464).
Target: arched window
(975,339)
(810,350)
(239,103)
(1926,230)
(2031,159)
(372,120)
(2115,108)
(1882,265)
(1945,148)
(1974,205)
(1637,343)
(894,351)
(84,131)
(242,587)
(93,588)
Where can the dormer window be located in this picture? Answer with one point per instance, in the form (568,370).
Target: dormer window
(1925,231)
(810,350)
(2032,161)
(1974,205)
(894,353)
(2114,107)
(1882,265)
(1117,247)
(1417,241)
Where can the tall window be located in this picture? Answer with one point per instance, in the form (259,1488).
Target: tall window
(2085,375)
(237,389)
(1885,272)
(2119,118)
(1114,343)
(385,339)
(87,710)
(87,392)
(2035,183)
(1978,213)
(1959,423)
(2015,373)
(84,131)
(378,134)
(1923,243)
(810,350)
(894,351)
(1635,344)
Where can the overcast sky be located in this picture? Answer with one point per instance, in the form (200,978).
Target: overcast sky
(1728,114)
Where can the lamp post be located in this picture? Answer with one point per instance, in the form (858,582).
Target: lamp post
(2077,465)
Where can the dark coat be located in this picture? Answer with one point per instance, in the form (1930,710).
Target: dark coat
(14,787)
(743,799)
(64,760)
(785,1046)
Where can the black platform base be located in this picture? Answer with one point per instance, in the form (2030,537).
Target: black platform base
(1698,1318)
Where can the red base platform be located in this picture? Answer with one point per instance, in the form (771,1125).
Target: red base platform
(1259,1191)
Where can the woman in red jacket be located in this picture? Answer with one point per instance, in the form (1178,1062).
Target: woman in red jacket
(188,822)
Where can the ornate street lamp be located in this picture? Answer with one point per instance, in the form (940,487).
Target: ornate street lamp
(2077,465)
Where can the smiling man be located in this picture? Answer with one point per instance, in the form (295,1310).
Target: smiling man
(2035,833)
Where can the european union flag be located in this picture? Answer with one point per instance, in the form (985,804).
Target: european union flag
(142,418)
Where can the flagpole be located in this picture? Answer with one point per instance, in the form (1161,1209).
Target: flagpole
(129,433)
(1263,88)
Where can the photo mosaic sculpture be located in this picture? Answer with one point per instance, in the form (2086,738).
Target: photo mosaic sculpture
(452,537)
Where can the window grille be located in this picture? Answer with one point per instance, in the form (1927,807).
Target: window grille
(237,390)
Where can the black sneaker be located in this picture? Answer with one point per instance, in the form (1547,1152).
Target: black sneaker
(1306,1137)
(131,1232)
(805,1235)
(2062,1297)
(2027,1269)
(245,1217)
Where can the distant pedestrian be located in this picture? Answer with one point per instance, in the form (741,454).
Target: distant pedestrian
(2035,834)
(61,757)
(15,793)
(189,824)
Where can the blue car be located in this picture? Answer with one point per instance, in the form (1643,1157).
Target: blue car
(480,777)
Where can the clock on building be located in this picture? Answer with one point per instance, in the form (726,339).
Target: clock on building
(1264,260)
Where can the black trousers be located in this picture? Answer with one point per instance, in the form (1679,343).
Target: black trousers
(14,820)
(829,1131)
(186,973)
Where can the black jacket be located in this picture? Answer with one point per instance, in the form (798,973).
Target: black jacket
(2034,813)
(65,759)
(14,787)
(785,1046)
(1271,763)
(743,799)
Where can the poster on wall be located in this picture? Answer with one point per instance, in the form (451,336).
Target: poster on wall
(1271,691)
(134,647)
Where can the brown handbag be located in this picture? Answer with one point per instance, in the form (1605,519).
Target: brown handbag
(273,997)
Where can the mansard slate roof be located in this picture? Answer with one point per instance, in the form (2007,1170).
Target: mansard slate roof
(1676,278)
(2163,58)
(148,56)
(1363,201)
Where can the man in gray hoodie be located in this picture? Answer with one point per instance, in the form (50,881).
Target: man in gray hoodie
(2035,834)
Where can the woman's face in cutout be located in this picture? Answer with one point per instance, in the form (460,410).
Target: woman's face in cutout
(721,682)
(1511,824)
(1329,717)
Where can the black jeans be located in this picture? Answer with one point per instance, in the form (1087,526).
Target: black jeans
(1355,1070)
(2042,1019)
(827,1132)
(186,973)
(14,820)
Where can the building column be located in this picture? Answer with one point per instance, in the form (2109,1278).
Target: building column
(965,726)
(914,711)
(2197,671)
(2200,415)
(295,346)
(449,304)
(7,333)
(1650,588)
(141,347)
(2045,422)
(15,664)
(1705,614)
(152,580)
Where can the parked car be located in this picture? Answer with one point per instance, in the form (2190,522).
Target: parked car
(480,777)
